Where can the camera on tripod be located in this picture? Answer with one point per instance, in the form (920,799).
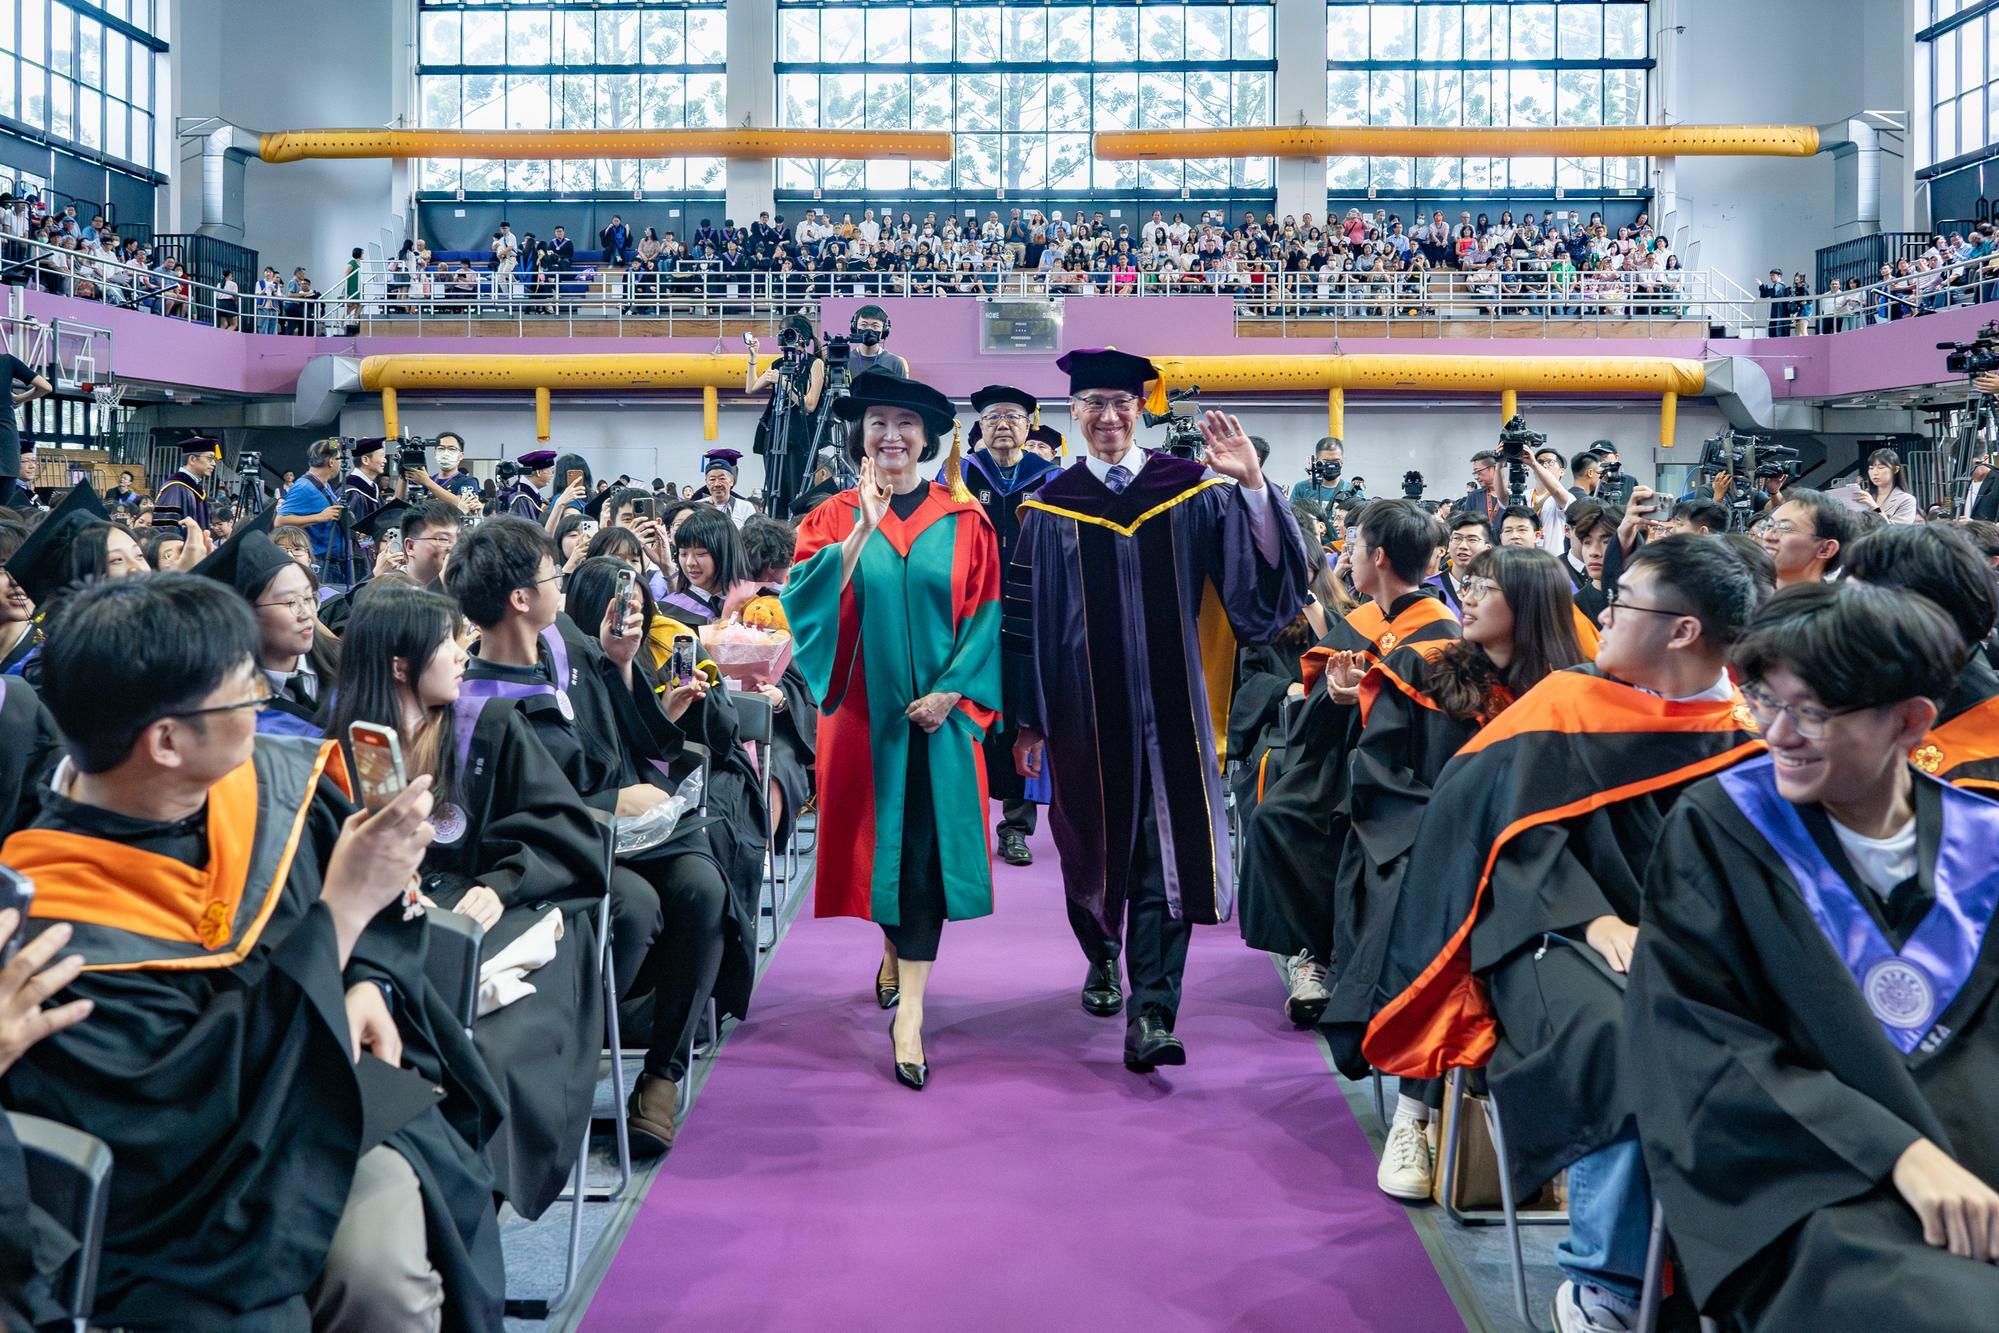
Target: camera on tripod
(507,471)
(1323,473)
(1977,357)
(1412,485)
(1745,459)
(1516,442)
(836,350)
(1183,437)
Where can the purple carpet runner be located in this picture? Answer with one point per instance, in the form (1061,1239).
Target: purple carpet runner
(1035,1184)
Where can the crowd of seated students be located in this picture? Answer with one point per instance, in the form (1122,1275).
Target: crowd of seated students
(1664,835)
(306,1130)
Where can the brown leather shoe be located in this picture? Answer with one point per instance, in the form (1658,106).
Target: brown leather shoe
(651,1121)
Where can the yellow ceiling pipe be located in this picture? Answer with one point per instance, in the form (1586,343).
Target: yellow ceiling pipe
(514,145)
(708,372)
(1507,376)
(1457,141)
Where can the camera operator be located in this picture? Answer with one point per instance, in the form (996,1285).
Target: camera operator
(1612,485)
(798,379)
(869,330)
(1487,495)
(312,504)
(1322,483)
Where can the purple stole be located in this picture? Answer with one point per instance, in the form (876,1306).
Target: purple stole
(279,720)
(1907,990)
(449,817)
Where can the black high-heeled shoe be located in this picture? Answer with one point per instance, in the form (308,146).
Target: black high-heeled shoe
(911,1076)
(887,993)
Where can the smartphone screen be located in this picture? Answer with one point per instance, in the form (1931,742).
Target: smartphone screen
(18,892)
(621,605)
(681,666)
(378,763)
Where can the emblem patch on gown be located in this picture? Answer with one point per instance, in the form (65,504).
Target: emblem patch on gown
(447,823)
(985,497)
(1899,994)
(214,927)
(1929,758)
(1743,718)
(1388,641)
(562,704)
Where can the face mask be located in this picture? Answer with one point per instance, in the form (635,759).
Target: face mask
(870,337)
(447,459)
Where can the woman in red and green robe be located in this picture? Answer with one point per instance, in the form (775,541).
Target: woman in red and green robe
(894,613)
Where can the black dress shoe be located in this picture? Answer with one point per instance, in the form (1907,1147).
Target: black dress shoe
(1102,995)
(887,993)
(911,1076)
(1149,1043)
(1013,849)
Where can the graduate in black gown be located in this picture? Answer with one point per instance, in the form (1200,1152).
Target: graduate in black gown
(675,926)
(1000,473)
(1939,562)
(1418,707)
(29,747)
(1294,834)
(1519,903)
(264,1053)
(769,546)
(185,493)
(1810,1044)
(514,846)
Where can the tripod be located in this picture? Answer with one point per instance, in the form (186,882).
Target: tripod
(779,485)
(1978,418)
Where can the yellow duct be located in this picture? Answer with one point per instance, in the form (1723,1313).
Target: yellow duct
(1455,141)
(1668,377)
(513,145)
(1336,413)
(1509,403)
(707,372)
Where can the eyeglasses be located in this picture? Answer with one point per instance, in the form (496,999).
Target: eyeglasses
(258,704)
(1114,405)
(300,604)
(446,542)
(1477,590)
(999,418)
(1617,605)
(1780,527)
(549,579)
(1810,723)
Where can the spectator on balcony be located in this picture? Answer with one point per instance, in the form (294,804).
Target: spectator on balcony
(269,288)
(228,302)
(614,240)
(1778,294)
(298,307)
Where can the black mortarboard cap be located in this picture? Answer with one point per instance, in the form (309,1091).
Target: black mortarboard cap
(390,515)
(363,447)
(1106,368)
(1047,435)
(249,559)
(200,444)
(876,388)
(41,565)
(1002,393)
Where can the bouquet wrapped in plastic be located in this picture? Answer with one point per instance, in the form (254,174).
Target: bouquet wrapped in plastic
(746,654)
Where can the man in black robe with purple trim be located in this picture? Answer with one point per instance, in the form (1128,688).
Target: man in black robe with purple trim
(1808,1026)
(1142,571)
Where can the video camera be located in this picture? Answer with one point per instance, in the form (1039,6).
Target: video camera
(837,350)
(1745,459)
(507,471)
(1516,442)
(1183,437)
(1323,473)
(1412,485)
(1977,357)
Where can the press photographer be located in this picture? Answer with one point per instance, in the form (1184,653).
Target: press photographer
(1728,460)
(312,504)
(797,381)
(869,331)
(1322,483)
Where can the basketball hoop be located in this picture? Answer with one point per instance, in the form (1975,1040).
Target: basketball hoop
(107,396)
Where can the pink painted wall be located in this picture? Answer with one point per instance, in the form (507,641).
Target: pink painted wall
(940,338)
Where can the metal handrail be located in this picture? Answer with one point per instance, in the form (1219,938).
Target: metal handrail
(699,298)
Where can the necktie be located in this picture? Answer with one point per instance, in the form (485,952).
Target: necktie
(1118,478)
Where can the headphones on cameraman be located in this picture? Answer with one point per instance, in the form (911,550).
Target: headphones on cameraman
(868,312)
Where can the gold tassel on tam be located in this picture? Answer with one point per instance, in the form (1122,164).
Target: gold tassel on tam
(954,471)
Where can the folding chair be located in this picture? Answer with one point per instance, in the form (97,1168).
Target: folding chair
(69,1176)
(451,961)
(1450,1162)
(1657,1248)
(757,717)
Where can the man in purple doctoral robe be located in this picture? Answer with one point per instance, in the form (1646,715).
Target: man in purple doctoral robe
(1141,572)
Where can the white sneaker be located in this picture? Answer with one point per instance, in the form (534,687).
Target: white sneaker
(1307,978)
(1406,1162)
(1584,1307)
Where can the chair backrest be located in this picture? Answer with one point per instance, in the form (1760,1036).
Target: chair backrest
(451,961)
(755,714)
(69,1178)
